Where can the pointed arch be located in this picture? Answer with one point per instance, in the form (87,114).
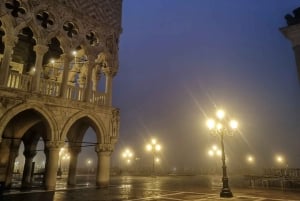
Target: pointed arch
(46,114)
(96,124)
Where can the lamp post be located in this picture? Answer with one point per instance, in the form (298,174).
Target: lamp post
(88,163)
(59,172)
(213,152)
(153,147)
(64,158)
(127,155)
(283,165)
(221,127)
(52,75)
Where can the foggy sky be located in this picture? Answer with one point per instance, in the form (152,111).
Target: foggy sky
(182,59)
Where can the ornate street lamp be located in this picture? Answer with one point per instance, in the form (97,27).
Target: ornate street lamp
(153,147)
(59,171)
(214,152)
(88,163)
(221,126)
(127,155)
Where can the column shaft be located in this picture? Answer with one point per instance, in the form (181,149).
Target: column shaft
(10,168)
(51,167)
(64,84)
(26,179)
(103,169)
(4,70)
(72,167)
(108,89)
(88,89)
(40,51)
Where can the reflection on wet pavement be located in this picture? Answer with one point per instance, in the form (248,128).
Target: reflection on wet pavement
(150,189)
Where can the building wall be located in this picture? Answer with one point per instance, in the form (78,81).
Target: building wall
(56,108)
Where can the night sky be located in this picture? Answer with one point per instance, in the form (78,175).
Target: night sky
(182,59)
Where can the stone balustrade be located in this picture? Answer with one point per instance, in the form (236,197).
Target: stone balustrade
(52,88)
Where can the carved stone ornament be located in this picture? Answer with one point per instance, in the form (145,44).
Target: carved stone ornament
(35,3)
(104,148)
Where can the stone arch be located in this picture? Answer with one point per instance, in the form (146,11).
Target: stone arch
(23,54)
(11,113)
(96,124)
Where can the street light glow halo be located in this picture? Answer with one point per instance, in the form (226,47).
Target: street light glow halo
(279,159)
(219,126)
(233,124)
(210,124)
(220,114)
(157,147)
(148,147)
(250,159)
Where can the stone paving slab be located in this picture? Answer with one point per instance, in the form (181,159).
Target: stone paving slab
(149,189)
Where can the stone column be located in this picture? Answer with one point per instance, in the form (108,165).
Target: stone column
(103,166)
(63,91)
(89,85)
(40,50)
(72,166)
(9,42)
(26,179)
(4,156)
(52,154)
(293,34)
(109,73)
(14,150)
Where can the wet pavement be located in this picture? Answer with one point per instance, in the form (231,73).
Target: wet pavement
(153,188)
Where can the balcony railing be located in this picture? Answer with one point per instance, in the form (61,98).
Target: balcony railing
(52,88)
(98,98)
(19,81)
(75,93)
(49,87)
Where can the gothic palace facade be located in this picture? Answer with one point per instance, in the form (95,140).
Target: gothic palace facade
(52,57)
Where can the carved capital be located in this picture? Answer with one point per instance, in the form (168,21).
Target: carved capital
(105,153)
(10,40)
(109,71)
(29,153)
(40,49)
(54,144)
(104,148)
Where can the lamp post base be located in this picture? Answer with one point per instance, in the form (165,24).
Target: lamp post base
(226,193)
